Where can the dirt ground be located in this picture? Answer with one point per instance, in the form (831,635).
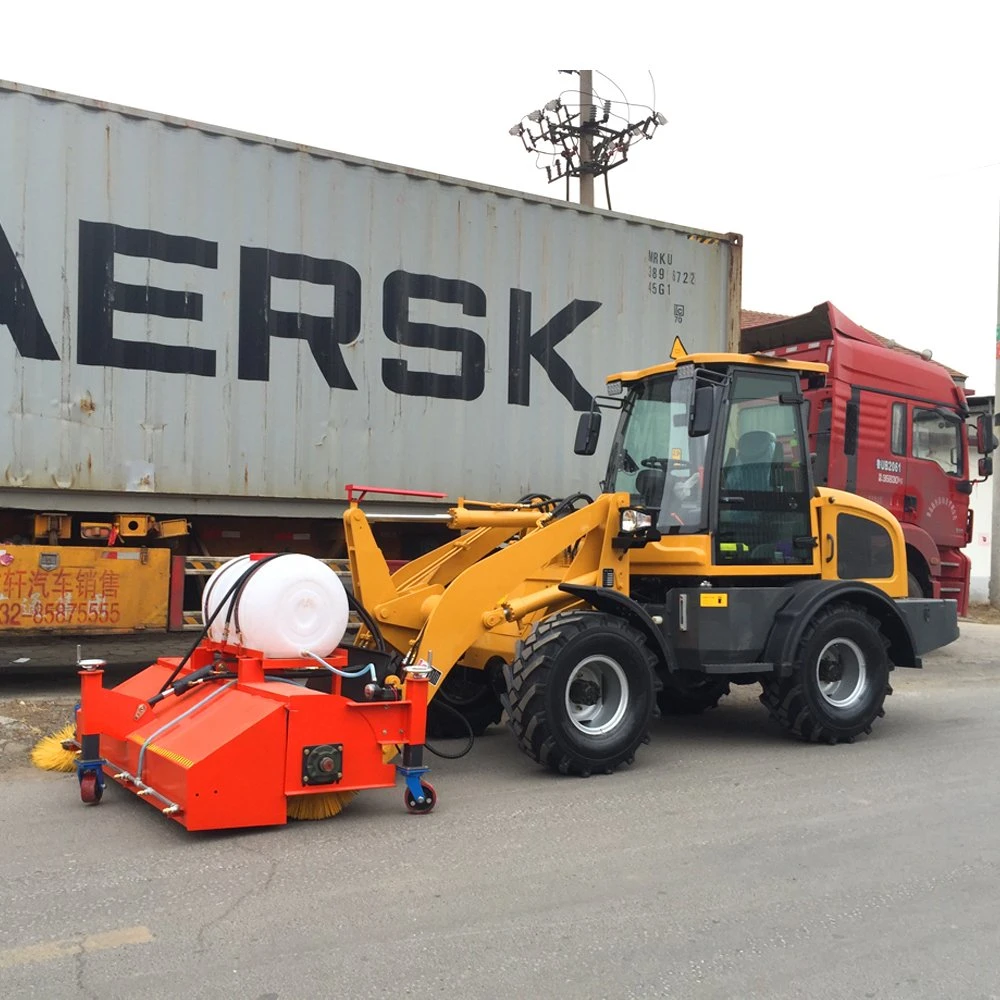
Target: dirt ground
(984,613)
(23,721)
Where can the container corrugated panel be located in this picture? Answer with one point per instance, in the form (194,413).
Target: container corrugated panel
(185,310)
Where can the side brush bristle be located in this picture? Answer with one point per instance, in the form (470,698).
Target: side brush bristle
(319,806)
(50,755)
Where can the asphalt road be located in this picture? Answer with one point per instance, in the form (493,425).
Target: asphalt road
(729,862)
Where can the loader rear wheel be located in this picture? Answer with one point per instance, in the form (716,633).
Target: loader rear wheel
(469,693)
(840,679)
(581,692)
(691,699)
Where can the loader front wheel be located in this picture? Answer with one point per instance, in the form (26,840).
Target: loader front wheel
(468,695)
(839,681)
(581,692)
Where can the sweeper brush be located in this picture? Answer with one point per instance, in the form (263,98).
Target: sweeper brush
(236,736)
(56,752)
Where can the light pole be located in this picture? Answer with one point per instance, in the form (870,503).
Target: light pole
(995,525)
(586,140)
(585,143)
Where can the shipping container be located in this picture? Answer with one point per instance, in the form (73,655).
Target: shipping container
(228,329)
(192,311)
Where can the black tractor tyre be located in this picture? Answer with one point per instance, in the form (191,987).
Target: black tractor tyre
(691,699)
(469,693)
(839,681)
(914,587)
(581,692)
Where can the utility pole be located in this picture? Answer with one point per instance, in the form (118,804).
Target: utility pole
(995,525)
(586,138)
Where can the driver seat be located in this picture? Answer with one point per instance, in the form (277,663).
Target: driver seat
(753,468)
(649,485)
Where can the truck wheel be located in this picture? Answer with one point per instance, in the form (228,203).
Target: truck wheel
(581,692)
(914,588)
(691,699)
(467,692)
(839,681)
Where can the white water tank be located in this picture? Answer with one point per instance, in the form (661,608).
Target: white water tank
(289,604)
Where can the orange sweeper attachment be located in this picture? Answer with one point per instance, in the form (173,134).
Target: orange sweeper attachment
(269,716)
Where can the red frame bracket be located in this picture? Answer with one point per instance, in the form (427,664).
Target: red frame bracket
(361,491)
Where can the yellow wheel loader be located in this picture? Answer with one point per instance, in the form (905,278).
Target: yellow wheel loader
(709,558)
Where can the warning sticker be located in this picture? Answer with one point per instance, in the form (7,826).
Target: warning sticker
(714,600)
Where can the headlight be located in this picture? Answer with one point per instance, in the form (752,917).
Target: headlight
(634,520)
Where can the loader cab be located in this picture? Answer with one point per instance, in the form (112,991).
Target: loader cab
(719,449)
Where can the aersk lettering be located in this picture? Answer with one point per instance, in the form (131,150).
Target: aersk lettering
(325,335)
(100,297)
(525,345)
(397,291)
(18,311)
(463,350)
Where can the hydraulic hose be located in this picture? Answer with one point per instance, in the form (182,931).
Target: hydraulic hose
(368,669)
(355,605)
(233,592)
(471,737)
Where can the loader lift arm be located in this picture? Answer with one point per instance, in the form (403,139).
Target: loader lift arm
(464,601)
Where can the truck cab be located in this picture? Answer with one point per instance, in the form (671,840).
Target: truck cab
(890,426)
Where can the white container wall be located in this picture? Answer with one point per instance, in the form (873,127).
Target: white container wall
(190,311)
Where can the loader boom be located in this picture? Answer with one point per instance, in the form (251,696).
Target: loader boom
(465,601)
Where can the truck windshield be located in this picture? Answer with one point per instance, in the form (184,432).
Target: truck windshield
(653,459)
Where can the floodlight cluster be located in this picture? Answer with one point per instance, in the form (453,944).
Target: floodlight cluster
(555,134)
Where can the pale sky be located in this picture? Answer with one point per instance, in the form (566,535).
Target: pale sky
(855,146)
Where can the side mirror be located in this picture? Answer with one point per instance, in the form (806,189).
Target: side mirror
(851,429)
(702,411)
(986,467)
(985,441)
(587,432)
(964,486)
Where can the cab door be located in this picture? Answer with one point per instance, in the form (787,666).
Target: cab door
(935,467)
(764,487)
(876,463)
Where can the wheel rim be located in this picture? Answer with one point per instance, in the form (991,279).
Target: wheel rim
(842,673)
(596,695)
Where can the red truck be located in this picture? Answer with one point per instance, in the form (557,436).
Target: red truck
(890,425)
